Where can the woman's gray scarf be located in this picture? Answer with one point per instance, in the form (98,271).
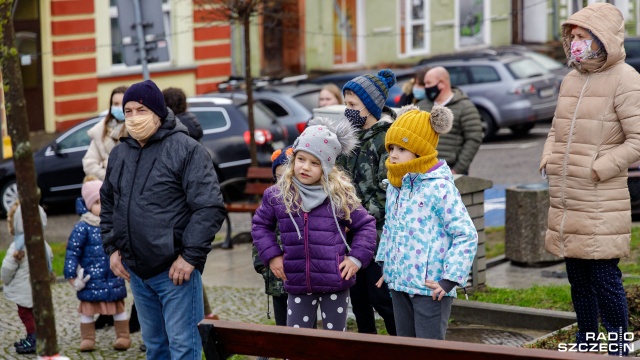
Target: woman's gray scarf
(311,195)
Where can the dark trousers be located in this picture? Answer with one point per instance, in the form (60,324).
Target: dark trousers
(280,309)
(26,316)
(365,294)
(596,290)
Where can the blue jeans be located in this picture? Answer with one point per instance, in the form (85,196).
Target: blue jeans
(169,315)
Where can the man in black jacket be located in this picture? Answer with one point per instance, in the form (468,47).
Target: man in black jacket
(161,207)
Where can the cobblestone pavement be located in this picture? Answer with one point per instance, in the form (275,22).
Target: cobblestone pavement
(236,304)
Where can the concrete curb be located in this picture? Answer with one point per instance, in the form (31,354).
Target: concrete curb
(511,316)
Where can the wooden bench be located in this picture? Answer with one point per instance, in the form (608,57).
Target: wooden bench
(253,186)
(223,338)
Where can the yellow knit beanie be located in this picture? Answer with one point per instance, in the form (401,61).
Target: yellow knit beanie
(417,131)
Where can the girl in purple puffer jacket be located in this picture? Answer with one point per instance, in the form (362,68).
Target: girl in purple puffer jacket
(312,205)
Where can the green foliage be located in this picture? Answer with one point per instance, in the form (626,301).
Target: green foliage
(494,241)
(553,297)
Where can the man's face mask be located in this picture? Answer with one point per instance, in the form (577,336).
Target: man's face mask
(432,92)
(581,50)
(354,117)
(141,127)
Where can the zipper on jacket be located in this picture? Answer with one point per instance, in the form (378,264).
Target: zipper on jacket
(564,162)
(135,172)
(306,249)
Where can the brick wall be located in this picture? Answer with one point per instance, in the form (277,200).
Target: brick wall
(73,40)
(212,48)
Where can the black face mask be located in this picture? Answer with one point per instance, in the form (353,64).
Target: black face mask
(432,92)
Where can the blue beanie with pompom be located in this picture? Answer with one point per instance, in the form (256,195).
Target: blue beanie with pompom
(372,90)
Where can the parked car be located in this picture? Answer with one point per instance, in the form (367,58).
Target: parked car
(341,78)
(307,94)
(546,62)
(226,135)
(509,91)
(288,110)
(632,48)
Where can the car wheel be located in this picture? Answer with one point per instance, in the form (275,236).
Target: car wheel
(488,125)
(522,129)
(9,195)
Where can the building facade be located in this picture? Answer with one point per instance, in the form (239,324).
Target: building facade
(72,50)
(72,56)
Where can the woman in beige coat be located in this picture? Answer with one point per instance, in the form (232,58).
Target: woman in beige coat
(594,137)
(105,135)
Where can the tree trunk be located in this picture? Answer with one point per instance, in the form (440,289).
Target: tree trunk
(249,81)
(27,189)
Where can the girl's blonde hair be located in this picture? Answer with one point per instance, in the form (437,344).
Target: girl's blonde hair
(10,215)
(341,191)
(18,254)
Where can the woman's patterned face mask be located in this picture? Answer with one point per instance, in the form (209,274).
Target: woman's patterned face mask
(581,50)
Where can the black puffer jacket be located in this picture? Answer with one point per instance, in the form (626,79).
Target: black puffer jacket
(160,201)
(190,120)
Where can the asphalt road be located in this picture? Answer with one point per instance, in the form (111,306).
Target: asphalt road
(510,160)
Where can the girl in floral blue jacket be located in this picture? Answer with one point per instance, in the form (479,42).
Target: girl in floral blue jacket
(428,241)
(86,266)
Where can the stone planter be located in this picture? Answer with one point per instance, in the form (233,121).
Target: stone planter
(526,224)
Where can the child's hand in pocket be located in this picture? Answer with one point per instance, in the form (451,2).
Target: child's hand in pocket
(379,282)
(348,268)
(277,267)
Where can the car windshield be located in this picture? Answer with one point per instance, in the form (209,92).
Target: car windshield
(545,61)
(525,68)
(76,137)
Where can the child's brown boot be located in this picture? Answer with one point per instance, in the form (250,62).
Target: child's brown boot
(123,341)
(88,337)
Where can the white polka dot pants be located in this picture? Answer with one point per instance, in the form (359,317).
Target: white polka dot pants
(596,289)
(302,310)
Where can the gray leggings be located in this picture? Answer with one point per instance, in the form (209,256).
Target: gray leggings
(421,316)
(302,310)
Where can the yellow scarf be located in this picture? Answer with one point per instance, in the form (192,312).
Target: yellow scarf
(395,172)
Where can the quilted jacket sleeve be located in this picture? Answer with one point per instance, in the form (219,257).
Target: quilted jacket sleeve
(459,227)
(75,249)
(626,102)
(263,229)
(364,231)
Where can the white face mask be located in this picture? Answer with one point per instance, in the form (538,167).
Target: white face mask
(141,127)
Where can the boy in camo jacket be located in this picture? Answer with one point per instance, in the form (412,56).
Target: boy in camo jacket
(365,98)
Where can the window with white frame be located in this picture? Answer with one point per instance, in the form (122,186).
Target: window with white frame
(116,37)
(414,27)
(472,25)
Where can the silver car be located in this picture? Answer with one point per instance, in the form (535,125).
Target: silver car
(509,91)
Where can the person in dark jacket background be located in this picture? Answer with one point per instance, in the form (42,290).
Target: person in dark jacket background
(161,206)
(176,100)
(460,145)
